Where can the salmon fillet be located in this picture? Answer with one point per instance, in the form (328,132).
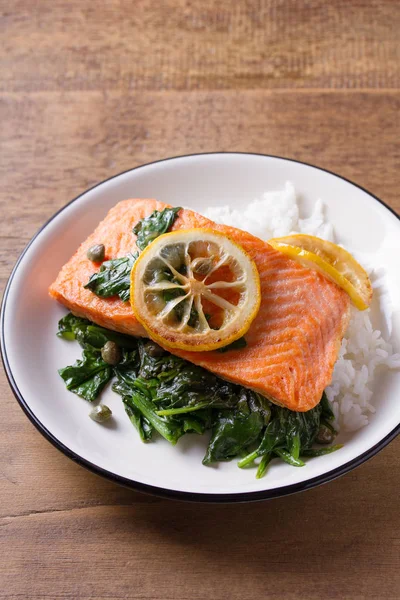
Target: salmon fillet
(292,344)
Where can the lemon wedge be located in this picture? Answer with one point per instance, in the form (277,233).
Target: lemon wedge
(330,260)
(195,290)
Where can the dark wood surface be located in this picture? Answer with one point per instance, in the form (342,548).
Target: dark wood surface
(90,89)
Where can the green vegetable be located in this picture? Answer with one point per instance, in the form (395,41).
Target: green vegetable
(232,434)
(87,377)
(326,433)
(96,253)
(69,326)
(139,421)
(167,412)
(236,345)
(98,337)
(166,394)
(113,278)
(100,413)
(320,451)
(126,373)
(192,425)
(326,411)
(262,467)
(149,228)
(288,431)
(258,403)
(110,353)
(87,334)
(168,429)
(289,458)
(296,445)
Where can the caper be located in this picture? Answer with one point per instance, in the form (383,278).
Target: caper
(96,253)
(100,413)
(202,266)
(324,435)
(153,349)
(110,353)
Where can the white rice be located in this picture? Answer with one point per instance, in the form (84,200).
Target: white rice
(363,348)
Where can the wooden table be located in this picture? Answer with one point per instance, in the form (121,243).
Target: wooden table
(89,89)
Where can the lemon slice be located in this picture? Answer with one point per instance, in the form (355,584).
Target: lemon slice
(331,260)
(195,290)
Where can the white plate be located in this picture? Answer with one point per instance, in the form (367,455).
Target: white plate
(32,353)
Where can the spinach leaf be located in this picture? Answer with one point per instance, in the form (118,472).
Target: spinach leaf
(193,425)
(149,228)
(170,430)
(142,424)
(233,432)
(259,404)
(98,336)
(326,411)
(87,377)
(236,345)
(289,431)
(113,278)
(263,466)
(88,334)
(320,451)
(192,386)
(126,374)
(161,365)
(70,325)
(164,393)
(289,458)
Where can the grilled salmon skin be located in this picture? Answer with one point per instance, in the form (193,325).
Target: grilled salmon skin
(292,344)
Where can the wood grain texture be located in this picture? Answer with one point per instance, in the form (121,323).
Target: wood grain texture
(294,548)
(90,89)
(186,45)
